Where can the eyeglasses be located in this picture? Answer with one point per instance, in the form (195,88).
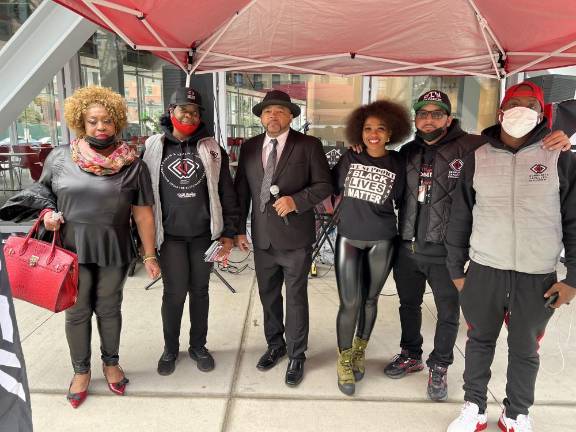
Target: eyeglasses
(192,112)
(436,115)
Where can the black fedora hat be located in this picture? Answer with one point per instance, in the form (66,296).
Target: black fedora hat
(276,97)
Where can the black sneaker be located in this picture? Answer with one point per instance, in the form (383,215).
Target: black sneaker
(438,383)
(167,363)
(203,358)
(402,365)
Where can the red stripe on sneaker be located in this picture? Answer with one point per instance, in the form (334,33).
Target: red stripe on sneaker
(503,427)
(481,426)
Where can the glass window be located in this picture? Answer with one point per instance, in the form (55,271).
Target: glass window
(38,123)
(325,101)
(27,142)
(12,15)
(138,75)
(474,100)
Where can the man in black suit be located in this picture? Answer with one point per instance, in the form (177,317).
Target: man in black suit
(283,226)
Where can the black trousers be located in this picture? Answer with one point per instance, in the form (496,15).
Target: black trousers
(273,268)
(411,276)
(184,272)
(99,293)
(362,268)
(491,297)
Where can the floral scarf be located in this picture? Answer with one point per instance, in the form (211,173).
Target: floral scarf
(93,162)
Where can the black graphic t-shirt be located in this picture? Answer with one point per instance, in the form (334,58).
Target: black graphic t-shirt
(369,188)
(183,191)
(425,185)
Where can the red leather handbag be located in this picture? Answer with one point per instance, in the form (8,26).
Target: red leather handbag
(41,273)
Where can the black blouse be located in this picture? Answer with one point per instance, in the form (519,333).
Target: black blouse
(369,187)
(96,209)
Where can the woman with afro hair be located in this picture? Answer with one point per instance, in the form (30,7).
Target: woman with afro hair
(92,187)
(371,184)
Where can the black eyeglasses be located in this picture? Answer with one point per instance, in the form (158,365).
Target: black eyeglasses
(436,115)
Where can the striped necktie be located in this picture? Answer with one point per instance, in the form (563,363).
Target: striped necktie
(268,173)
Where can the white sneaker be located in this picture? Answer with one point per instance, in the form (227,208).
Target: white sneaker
(469,420)
(523,423)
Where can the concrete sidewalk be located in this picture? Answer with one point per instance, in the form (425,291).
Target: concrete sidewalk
(236,397)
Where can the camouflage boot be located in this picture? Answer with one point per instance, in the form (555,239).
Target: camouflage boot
(358,357)
(346,382)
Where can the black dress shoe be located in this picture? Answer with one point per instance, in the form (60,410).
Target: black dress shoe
(167,363)
(271,357)
(203,358)
(295,372)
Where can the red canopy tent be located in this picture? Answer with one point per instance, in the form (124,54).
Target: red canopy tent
(489,38)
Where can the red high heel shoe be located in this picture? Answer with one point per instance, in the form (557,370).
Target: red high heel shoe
(119,387)
(76,399)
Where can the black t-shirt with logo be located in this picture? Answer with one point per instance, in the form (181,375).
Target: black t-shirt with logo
(369,187)
(184,189)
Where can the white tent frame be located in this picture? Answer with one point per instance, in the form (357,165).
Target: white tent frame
(495,52)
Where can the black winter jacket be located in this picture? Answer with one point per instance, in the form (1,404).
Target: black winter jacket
(447,163)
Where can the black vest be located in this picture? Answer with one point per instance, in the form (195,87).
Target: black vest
(448,162)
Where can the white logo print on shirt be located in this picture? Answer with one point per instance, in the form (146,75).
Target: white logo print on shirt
(368,183)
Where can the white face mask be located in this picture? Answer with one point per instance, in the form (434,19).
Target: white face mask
(519,121)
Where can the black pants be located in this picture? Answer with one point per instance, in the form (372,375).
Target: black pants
(184,272)
(491,297)
(273,268)
(99,292)
(411,276)
(362,268)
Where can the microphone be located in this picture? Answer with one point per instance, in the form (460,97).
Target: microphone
(275,190)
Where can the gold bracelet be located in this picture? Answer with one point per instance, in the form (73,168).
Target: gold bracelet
(148,258)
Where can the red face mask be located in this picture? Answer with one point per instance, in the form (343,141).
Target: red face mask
(183,128)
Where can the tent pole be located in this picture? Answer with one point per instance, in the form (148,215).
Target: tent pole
(540,53)
(110,5)
(159,39)
(483,25)
(109,23)
(488,28)
(287,62)
(424,65)
(216,36)
(278,65)
(157,48)
(542,58)
(138,14)
(415,66)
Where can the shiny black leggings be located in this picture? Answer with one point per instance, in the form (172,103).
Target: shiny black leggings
(361,271)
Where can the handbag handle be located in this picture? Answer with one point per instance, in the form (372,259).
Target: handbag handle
(34,230)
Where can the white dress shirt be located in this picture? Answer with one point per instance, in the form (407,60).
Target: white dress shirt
(267,147)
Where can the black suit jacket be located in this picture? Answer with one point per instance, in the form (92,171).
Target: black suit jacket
(302,172)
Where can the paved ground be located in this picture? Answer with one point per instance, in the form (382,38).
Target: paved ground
(236,397)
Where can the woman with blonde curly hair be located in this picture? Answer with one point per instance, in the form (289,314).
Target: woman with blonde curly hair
(93,186)
(371,184)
